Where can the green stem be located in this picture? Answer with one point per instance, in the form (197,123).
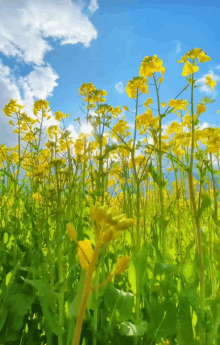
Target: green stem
(197,220)
(162,209)
(60,264)
(87,290)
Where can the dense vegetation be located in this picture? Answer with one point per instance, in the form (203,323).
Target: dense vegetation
(97,245)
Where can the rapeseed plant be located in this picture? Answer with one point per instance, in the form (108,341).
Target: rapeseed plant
(106,228)
(108,171)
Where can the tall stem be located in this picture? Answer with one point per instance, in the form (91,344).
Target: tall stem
(197,220)
(87,290)
(162,209)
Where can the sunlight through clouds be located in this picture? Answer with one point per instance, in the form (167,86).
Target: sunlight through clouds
(86,128)
(24,27)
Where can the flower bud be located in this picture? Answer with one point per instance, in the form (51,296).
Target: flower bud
(72,232)
(100,214)
(109,215)
(113,221)
(94,209)
(108,235)
(124,224)
(122,264)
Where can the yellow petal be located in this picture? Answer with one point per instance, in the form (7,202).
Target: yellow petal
(85,253)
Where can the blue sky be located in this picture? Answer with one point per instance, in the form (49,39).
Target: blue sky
(48,49)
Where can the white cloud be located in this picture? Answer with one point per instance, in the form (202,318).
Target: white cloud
(178,47)
(164,129)
(24,25)
(73,134)
(205,125)
(93,6)
(119,87)
(131,125)
(86,128)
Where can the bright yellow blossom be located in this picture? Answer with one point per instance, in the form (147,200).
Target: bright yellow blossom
(85,253)
(188,68)
(200,109)
(210,82)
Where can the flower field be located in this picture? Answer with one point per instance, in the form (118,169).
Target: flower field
(97,245)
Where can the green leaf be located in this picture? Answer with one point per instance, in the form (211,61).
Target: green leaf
(153,173)
(185,331)
(130,330)
(193,298)
(214,319)
(189,271)
(206,203)
(207,100)
(47,301)
(118,301)
(16,304)
(163,319)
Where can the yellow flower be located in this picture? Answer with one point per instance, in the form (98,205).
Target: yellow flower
(151,64)
(86,89)
(160,80)
(37,197)
(163,105)
(148,101)
(200,109)
(125,108)
(179,104)
(178,151)
(188,68)
(183,59)
(195,52)
(120,127)
(203,57)
(210,82)
(59,115)
(137,83)
(147,116)
(85,253)
(212,148)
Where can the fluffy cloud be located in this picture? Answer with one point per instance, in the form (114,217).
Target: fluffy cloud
(24,27)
